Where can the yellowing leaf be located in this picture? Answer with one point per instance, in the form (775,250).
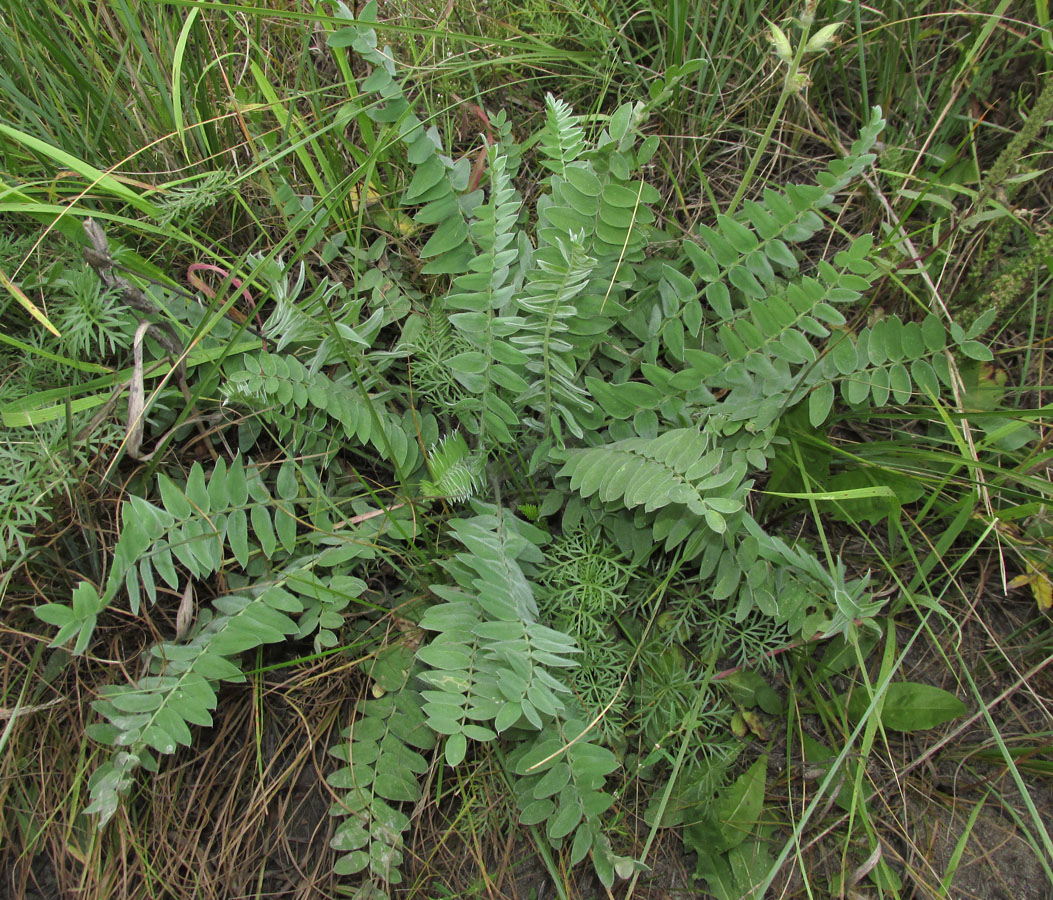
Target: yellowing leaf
(755,723)
(372,196)
(738,725)
(1040,585)
(397,221)
(29,305)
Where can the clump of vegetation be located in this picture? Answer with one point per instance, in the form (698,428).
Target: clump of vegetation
(623,486)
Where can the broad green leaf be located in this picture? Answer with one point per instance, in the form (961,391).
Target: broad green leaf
(738,806)
(705,266)
(287,485)
(238,536)
(262,528)
(740,237)
(933,332)
(879,386)
(449,235)
(820,402)
(781,255)
(197,490)
(976,350)
(446,656)
(719,298)
(553,781)
(925,378)
(584,180)
(55,614)
(716,871)
(173,498)
(566,820)
(899,382)
(427,176)
(536,812)
(285,528)
(913,340)
(456,748)
(135,701)
(723,252)
(843,353)
(173,725)
(910,706)
(581,846)
(391,784)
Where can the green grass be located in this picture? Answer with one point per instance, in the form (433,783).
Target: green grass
(233,135)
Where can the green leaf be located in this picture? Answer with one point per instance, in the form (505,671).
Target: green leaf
(705,266)
(285,528)
(925,378)
(553,781)
(738,807)
(55,613)
(899,382)
(217,486)
(264,531)
(536,812)
(565,821)
(976,350)
(430,173)
(719,297)
(820,402)
(716,871)
(451,234)
(581,846)
(174,500)
(456,749)
(781,255)
(454,657)
(287,485)
(747,867)
(910,706)
(933,332)
(844,355)
(197,491)
(391,668)
(879,386)
(172,725)
(393,785)
(584,180)
(133,701)
(740,237)
(238,536)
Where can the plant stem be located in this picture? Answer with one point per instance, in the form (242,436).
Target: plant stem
(788,88)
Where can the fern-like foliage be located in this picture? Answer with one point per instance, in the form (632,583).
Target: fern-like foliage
(155,713)
(489,663)
(455,472)
(230,517)
(431,342)
(306,401)
(585,583)
(196,525)
(678,474)
(547,305)
(625,387)
(380,775)
(562,139)
(491,370)
(561,785)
